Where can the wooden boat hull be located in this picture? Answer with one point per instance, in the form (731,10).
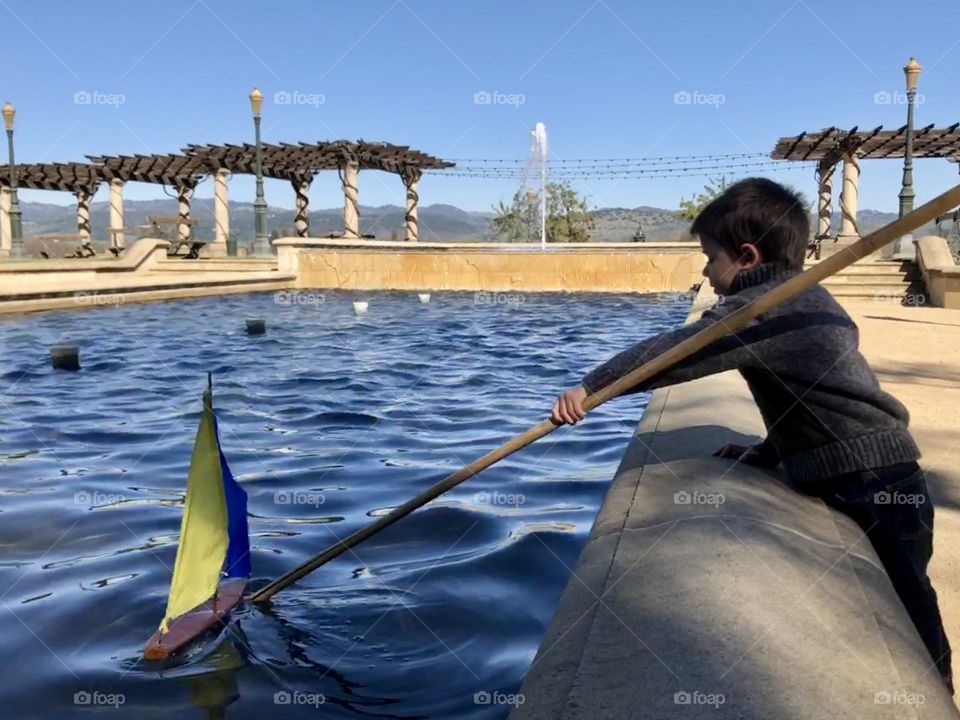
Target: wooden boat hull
(188,627)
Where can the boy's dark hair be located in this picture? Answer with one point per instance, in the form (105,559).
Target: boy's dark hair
(761,212)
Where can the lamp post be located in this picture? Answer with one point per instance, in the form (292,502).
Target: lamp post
(260,244)
(903,248)
(16,231)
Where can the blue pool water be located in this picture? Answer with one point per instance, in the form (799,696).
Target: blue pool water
(328,420)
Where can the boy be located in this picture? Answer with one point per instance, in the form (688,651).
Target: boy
(837,433)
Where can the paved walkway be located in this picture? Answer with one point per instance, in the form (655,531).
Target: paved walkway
(916,354)
(704,593)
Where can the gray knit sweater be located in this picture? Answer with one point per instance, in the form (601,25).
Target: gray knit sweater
(821,403)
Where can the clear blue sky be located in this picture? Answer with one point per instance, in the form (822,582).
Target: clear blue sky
(601,75)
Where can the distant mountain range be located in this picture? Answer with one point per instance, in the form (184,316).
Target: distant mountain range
(437,222)
(621,224)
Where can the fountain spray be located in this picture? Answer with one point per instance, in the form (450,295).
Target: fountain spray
(538,162)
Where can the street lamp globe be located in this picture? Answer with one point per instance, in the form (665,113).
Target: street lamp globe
(256,101)
(8,114)
(911,71)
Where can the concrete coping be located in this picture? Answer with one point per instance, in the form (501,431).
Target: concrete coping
(644,247)
(709,589)
(130,259)
(933,253)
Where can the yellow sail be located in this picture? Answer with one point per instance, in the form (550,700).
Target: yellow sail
(203,530)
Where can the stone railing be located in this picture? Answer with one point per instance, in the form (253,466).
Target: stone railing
(940,273)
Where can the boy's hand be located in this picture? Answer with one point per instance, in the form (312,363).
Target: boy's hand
(749,454)
(568,408)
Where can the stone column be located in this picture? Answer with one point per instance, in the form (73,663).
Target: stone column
(825,207)
(351,206)
(116,213)
(301,221)
(83,196)
(411,178)
(184,193)
(849,196)
(221,215)
(6,235)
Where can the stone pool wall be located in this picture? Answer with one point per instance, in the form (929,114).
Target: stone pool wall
(710,589)
(145,273)
(592,267)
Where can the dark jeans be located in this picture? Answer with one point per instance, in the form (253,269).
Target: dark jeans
(893,508)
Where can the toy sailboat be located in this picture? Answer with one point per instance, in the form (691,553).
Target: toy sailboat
(213,555)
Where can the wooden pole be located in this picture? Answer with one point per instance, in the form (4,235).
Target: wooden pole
(730,324)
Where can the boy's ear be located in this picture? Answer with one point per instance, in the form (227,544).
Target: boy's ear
(749,255)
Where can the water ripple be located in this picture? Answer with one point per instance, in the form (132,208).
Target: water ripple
(328,421)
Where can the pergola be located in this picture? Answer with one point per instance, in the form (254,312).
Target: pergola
(295,163)
(80,179)
(832,145)
(177,171)
(299,163)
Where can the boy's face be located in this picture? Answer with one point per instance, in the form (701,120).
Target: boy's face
(721,269)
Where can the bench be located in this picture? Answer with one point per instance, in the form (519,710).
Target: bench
(815,246)
(84,251)
(139,231)
(952,235)
(165,227)
(953,217)
(136,231)
(343,236)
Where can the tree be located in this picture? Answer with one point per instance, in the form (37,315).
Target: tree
(515,222)
(568,219)
(689,209)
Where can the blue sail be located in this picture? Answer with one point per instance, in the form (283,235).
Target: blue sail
(237,564)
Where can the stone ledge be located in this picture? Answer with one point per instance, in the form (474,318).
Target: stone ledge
(148,283)
(142,251)
(589,267)
(768,599)
(419,246)
(940,273)
(108,298)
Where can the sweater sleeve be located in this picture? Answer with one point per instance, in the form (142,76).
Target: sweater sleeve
(766,446)
(733,351)
(767,449)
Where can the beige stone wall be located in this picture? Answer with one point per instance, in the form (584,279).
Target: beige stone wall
(141,274)
(940,274)
(58,275)
(944,287)
(47,281)
(648,267)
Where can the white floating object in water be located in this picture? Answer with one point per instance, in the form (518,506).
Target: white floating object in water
(360,306)
(424,297)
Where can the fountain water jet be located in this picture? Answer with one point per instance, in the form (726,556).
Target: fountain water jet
(537,166)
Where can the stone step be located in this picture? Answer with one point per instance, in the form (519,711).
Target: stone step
(202,276)
(881,293)
(865,279)
(876,268)
(878,280)
(217,265)
(144,287)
